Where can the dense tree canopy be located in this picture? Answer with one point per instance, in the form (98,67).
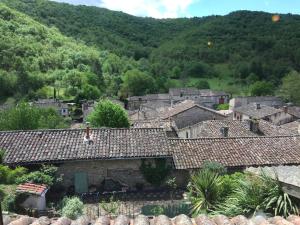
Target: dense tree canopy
(108,114)
(261,88)
(136,83)
(228,52)
(26,117)
(290,89)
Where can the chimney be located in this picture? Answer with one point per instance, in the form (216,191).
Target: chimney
(224,131)
(254,126)
(87,136)
(258,106)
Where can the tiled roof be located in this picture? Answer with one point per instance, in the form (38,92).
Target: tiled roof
(251,110)
(211,128)
(37,189)
(158,220)
(156,123)
(183,91)
(195,91)
(294,110)
(293,127)
(269,129)
(23,147)
(236,152)
(150,97)
(183,106)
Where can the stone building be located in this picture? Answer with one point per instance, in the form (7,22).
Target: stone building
(257,111)
(87,157)
(271,101)
(36,195)
(187,114)
(205,97)
(61,107)
(235,128)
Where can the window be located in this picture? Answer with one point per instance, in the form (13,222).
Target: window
(187,135)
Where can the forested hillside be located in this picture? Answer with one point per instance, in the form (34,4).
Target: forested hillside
(230,52)
(35,59)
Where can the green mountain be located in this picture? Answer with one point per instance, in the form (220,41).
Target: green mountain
(230,52)
(35,59)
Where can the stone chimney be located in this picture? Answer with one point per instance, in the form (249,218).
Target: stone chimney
(224,131)
(258,106)
(253,126)
(88,137)
(87,132)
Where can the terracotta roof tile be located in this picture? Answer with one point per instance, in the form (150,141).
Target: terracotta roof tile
(37,189)
(212,128)
(23,147)
(236,152)
(251,110)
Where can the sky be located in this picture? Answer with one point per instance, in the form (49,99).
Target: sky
(191,8)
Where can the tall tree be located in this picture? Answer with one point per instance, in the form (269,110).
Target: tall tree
(108,114)
(290,88)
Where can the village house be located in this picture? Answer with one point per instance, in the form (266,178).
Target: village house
(294,127)
(205,97)
(36,195)
(271,101)
(236,128)
(236,152)
(87,157)
(187,114)
(257,111)
(59,106)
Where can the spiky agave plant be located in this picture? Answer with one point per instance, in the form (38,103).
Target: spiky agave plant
(246,199)
(277,201)
(204,191)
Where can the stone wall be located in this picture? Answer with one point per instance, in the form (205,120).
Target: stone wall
(195,115)
(125,171)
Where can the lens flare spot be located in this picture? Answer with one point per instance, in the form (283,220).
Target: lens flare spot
(275,18)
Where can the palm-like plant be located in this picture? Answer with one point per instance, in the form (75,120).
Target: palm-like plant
(276,199)
(204,191)
(258,193)
(246,199)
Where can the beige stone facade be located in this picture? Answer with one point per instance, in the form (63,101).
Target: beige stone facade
(126,171)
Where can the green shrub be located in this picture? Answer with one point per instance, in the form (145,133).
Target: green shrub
(214,167)
(72,208)
(204,191)
(2,153)
(46,175)
(224,106)
(157,173)
(9,176)
(13,175)
(2,194)
(110,207)
(8,203)
(230,183)
(258,193)
(4,171)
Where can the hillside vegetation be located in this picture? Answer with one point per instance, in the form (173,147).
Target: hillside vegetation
(35,59)
(231,52)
